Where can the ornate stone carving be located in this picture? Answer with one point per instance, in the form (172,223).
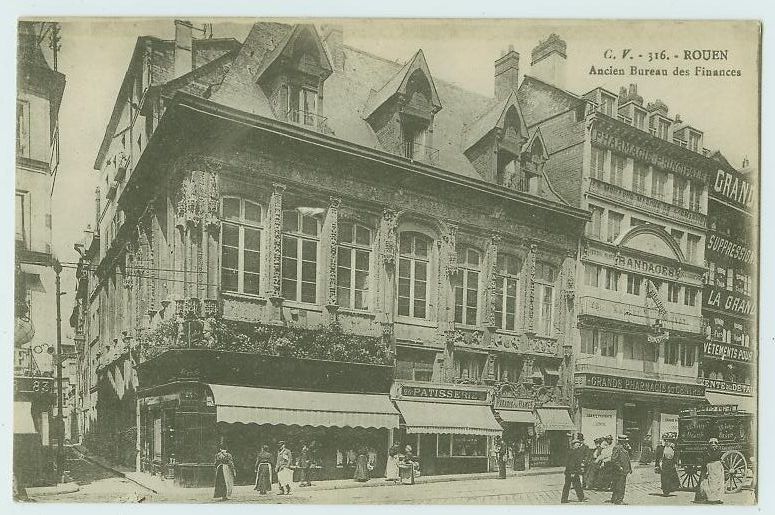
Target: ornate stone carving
(333,224)
(197,201)
(276,235)
(492,286)
(389,237)
(546,346)
(450,239)
(530,300)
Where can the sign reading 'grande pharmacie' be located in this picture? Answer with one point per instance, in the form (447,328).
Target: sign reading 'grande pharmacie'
(638,385)
(727,301)
(432,392)
(729,249)
(724,351)
(657,159)
(733,187)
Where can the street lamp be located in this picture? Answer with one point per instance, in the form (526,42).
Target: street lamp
(57,266)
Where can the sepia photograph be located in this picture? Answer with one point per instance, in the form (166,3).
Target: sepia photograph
(386,261)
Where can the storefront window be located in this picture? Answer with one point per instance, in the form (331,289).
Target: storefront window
(443,445)
(461,446)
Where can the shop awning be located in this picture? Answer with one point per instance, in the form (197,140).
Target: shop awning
(747,404)
(517,416)
(555,419)
(32,277)
(22,419)
(246,405)
(441,418)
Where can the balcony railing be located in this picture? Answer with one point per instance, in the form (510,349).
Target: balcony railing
(638,314)
(419,152)
(592,368)
(308,119)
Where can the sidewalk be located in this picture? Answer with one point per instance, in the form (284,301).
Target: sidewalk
(61,488)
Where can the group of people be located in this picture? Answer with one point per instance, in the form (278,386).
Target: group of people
(604,468)
(402,467)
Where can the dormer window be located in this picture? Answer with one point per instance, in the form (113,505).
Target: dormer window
(303,106)
(415,134)
(607,105)
(663,128)
(694,141)
(510,173)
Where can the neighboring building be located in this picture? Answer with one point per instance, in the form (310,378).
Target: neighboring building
(642,173)
(39,93)
(729,361)
(289,224)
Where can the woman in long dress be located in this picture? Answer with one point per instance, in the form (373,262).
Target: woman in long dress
(264,470)
(391,467)
(711,487)
(224,474)
(361,465)
(668,471)
(592,471)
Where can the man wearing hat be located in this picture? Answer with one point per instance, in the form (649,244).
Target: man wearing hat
(283,468)
(573,470)
(604,463)
(620,467)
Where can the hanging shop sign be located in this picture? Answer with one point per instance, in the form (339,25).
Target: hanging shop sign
(728,301)
(631,384)
(723,351)
(658,338)
(34,385)
(444,393)
(733,187)
(597,423)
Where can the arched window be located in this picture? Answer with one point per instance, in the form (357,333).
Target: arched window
(301,236)
(240,246)
(466,283)
(413,267)
(352,268)
(507,274)
(545,277)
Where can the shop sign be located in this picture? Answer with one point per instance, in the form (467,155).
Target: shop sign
(723,247)
(728,387)
(441,393)
(727,301)
(597,423)
(648,267)
(723,351)
(632,384)
(668,423)
(734,188)
(514,403)
(658,338)
(34,385)
(658,159)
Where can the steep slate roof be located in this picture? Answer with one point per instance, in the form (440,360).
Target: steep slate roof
(398,82)
(492,119)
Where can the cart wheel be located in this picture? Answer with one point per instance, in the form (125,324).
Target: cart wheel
(735,470)
(689,476)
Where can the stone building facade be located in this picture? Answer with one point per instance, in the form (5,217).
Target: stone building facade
(295,215)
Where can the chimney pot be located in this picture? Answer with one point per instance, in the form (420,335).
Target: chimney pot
(506,74)
(183,54)
(548,60)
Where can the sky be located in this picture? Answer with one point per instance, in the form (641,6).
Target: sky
(96,52)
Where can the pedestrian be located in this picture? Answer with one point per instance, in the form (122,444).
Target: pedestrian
(406,466)
(224,474)
(573,469)
(667,466)
(391,467)
(283,468)
(592,471)
(305,462)
(362,464)
(620,467)
(711,487)
(500,455)
(264,470)
(604,464)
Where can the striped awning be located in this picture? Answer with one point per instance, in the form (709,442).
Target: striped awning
(517,416)
(448,418)
(555,419)
(247,405)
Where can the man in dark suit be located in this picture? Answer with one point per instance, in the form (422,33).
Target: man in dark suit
(573,470)
(620,467)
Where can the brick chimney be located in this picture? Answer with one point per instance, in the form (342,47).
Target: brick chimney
(184,55)
(333,39)
(548,61)
(506,74)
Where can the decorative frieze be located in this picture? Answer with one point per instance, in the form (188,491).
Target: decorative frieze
(450,240)
(492,286)
(530,289)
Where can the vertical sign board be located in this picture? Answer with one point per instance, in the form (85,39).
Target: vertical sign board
(596,423)
(668,423)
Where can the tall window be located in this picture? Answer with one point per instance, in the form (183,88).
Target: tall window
(639,119)
(692,248)
(673,292)
(607,105)
(687,355)
(658,184)
(695,195)
(414,140)
(240,246)
(690,296)
(352,266)
(614,225)
(303,106)
(413,267)
(23,128)
(591,275)
(617,169)
(694,141)
(596,224)
(589,341)
(597,163)
(300,256)
(679,191)
(466,283)
(663,129)
(634,282)
(507,272)
(609,344)
(22,222)
(611,279)
(544,278)
(639,173)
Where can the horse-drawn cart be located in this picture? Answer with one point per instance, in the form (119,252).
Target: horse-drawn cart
(736,434)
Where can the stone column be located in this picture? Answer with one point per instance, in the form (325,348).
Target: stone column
(447,270)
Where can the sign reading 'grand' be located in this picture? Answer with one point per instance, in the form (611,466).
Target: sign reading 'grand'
(638,385)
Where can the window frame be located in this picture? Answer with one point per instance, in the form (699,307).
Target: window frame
(353,248)
(300,238)
(23,134)
(461,281)
(413,259)
(502,280)
(241,223)
(608,341)
(544,325)
(597,163)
